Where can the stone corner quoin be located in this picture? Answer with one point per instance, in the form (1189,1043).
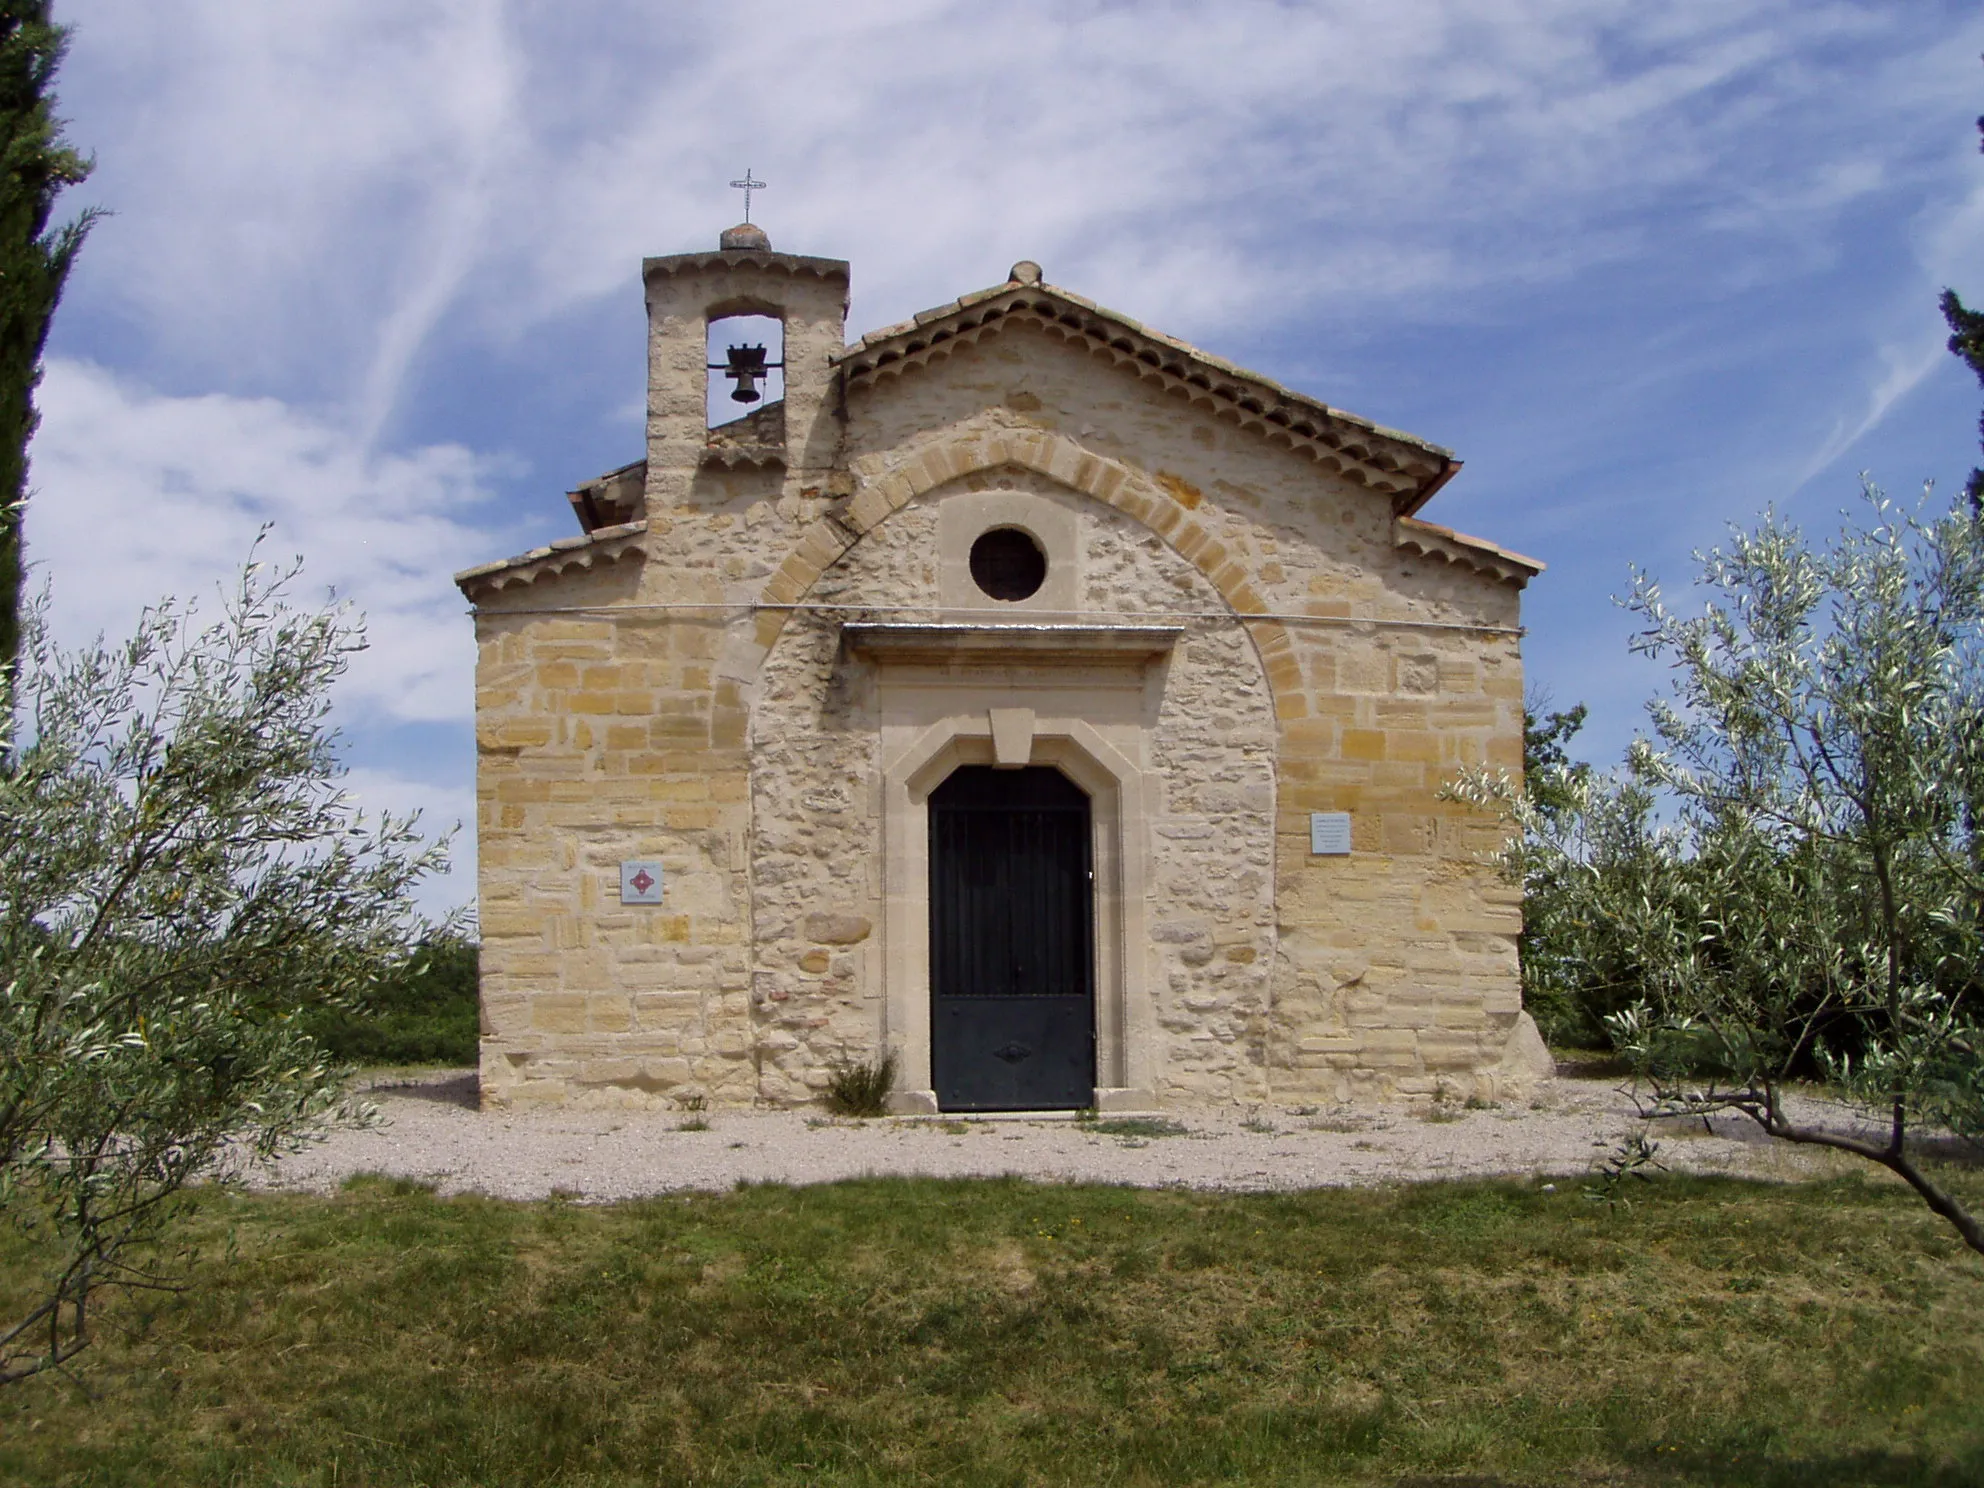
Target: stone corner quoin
(772,642)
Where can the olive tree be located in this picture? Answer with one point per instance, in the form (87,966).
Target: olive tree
(1595,867)
(182,882)
(1786,879)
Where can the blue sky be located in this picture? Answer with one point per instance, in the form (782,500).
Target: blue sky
(371,272)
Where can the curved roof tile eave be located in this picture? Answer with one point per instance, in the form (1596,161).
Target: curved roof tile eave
(1251,396)
(602,545)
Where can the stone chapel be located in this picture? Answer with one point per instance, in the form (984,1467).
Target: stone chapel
(1017,689)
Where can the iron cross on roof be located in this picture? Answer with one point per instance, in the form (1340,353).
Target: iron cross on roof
(747,186)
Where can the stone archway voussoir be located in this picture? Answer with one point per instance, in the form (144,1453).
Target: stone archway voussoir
(1054,456)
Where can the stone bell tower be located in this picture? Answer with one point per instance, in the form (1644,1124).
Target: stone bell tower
(791,442)
(632,688)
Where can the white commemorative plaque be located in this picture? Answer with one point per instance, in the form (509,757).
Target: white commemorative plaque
(1329,833)
(640,881)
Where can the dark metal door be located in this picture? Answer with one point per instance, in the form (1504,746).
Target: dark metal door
(1012,981)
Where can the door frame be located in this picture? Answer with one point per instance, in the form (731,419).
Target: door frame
(1118,825)
(963,1029)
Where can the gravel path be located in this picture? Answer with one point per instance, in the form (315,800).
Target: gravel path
(430,1130)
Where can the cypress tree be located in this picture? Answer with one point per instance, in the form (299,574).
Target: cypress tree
(1967,341)
(35,164)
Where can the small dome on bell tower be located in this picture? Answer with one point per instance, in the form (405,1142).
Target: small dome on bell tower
(745,237)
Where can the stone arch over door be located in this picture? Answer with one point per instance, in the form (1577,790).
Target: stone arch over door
(972,451)
(1118,801)
(1176,706)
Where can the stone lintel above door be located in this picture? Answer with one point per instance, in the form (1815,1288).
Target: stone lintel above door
(928,642)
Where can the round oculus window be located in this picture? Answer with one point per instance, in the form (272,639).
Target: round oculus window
(1008,564)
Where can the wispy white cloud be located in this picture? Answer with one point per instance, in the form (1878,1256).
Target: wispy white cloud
(1948,240)
(322,207)
(295,189)
(480,129)
(139,496)
(1208,163)
(1902,367)
(342,176)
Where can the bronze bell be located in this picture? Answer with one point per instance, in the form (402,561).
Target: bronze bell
(746,369)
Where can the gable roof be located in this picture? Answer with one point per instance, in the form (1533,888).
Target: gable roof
(1406,469)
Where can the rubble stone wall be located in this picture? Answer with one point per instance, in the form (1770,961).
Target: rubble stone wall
(1207,744)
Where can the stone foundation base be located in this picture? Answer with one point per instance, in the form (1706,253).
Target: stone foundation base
(512,1082)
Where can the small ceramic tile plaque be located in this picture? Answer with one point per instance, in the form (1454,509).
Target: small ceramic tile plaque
(640,881)
(1329,833)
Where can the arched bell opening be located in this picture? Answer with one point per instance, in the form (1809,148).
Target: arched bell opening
(746,366)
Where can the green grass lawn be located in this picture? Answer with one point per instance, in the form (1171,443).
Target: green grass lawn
(1009,1333)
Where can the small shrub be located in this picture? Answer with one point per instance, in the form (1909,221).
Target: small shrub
(1635,1156)
(860,1087)
(1442,1110)
(1341,1125)
(426,1014)
(1141,1126)
(389,1186)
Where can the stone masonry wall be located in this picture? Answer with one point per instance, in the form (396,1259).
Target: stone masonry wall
(583,760)
(1395,968)
(816,830)
(619,732)
(621,708)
